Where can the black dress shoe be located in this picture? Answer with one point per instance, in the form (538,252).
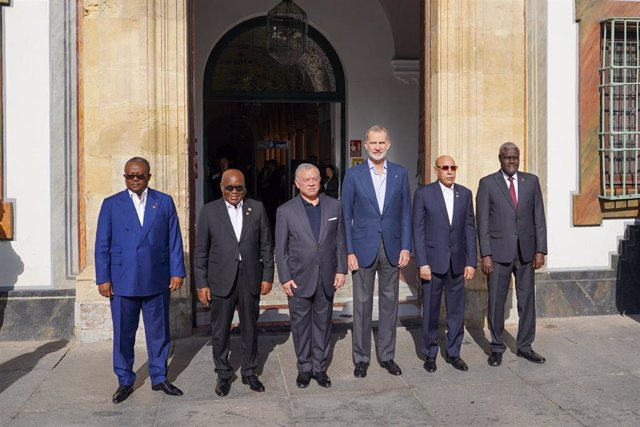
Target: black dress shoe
(254,383)
(303,379)
(167,388)
(531,356)
(223,387)
(391,367)
(456,362)
(360,370)
(122,393)
(495,359)
(430,364)
(323,379)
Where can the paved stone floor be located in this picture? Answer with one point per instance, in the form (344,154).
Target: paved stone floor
(591,378)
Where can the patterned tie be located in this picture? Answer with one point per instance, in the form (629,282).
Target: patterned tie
(512,191)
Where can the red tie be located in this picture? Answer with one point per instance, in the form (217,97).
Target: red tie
(512,191)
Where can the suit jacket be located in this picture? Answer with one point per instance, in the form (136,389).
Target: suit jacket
(364,224)
(138,260)
(502,228)
(299,256)
(217,251)
(437,243)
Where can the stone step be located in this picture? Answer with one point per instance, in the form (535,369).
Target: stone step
(274,309)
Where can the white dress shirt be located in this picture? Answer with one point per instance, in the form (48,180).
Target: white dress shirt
(515,182)
(139,203)
(379,182)
(448,193)
(235,214)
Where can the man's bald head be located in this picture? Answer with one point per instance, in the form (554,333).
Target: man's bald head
(232,186)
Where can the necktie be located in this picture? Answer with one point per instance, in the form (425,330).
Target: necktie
(512,191)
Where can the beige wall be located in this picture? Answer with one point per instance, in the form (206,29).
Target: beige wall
(133,68)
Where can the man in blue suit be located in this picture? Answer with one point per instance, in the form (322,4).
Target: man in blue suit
(444,237)
(376,203)
(139,260)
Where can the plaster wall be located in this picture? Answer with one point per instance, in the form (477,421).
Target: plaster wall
(27,139)
(360,33)
(570,247)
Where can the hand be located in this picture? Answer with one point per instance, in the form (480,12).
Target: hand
(204,296)
(265,287)
(469,272)
(352,262)
(486,264)
(105,289)
(425,273)
(338,282)
(175,283)
(289,287)
(538,260)
(405,257)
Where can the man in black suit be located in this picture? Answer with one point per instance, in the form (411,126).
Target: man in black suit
(512,233)
(444,236)
(233,265)
(311,258)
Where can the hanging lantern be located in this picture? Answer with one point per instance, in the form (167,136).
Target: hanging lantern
(287,32)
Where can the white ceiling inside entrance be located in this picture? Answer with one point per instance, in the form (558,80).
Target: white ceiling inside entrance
(404,17)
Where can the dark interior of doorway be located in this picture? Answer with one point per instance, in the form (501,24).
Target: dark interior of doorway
(250,136)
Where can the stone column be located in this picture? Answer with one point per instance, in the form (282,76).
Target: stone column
(477,86)
(133,71)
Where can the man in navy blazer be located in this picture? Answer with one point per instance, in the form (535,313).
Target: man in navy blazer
(444,238)
(512,233)
(376,203)
(139,261)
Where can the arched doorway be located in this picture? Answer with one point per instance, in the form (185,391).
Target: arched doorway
(265,118)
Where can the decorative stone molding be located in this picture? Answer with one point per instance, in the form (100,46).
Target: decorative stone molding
(406,70)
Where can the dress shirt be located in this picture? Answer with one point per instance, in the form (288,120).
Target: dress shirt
(139,203)
(314,213)
(515,182)
(379,182)
(235,215)
(448,193)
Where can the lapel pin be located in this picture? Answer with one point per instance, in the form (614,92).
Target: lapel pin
(155,205)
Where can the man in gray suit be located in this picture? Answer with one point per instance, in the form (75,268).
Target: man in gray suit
(512,233)
(233,265)
(311,258)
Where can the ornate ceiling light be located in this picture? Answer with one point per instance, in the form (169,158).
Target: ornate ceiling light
(287,32)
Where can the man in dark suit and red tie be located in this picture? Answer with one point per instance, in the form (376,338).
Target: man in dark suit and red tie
(512,233)
(311,258)
(139,261)
(376,203)
(233,266)
(444,238)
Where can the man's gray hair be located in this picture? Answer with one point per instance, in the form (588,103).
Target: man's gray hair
(305,167)
(377,128)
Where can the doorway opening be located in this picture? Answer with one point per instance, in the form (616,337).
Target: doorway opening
(265,118)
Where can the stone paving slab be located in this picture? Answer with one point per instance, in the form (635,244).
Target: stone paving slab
(591,378)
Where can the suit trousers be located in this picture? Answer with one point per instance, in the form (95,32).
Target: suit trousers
(125,313)
(454,302)
(222,309)
(363,285)
(498,284)
(311,329)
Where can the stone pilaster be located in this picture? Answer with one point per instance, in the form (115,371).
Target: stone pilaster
(133,83)
(477,97)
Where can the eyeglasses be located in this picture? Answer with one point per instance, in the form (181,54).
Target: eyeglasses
(447,167)
(230,188)
(134,177)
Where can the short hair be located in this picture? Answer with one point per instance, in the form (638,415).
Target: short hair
(330,166)
(305,167)
(377,128)
(139,160)
(507,145)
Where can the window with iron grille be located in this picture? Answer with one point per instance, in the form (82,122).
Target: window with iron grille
(619,108)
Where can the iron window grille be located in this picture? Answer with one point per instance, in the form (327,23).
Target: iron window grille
(619,106)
